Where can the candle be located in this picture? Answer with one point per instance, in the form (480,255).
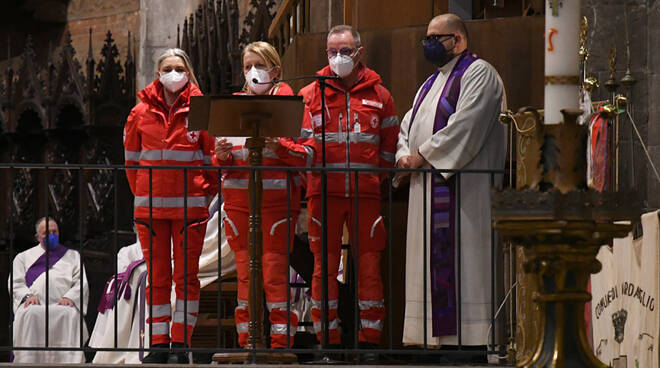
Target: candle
(562,24)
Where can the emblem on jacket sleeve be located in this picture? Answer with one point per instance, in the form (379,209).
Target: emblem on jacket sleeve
(193,136)
(619,321)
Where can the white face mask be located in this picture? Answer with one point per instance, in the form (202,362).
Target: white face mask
(173,81)
(342,65)
(261,76)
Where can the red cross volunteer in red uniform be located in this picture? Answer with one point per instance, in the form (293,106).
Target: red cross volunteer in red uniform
(359,134)
(156,134)
(262,63)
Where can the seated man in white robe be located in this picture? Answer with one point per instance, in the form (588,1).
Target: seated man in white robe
(28,284)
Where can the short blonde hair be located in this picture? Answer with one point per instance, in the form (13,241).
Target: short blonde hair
(267,53)
(183,56)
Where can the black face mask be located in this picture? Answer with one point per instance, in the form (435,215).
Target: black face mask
(436,53)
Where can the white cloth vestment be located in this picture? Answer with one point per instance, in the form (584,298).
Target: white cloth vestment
(472,139)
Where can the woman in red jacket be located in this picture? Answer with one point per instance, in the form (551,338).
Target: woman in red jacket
(170,205)
(262,63)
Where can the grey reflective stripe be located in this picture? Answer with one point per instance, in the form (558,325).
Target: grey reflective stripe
(373,324)
(235,183)
(387,156)
(242,327)
(241,304)
(280,329)
(343,165)
(368,304)
(178,318)
(167,202)
(295,154)
(235,230)
(267,184)
(193,306)
(276,305)
(332,304)
(208,159)
(306,133)
(132,155)
(272,232)
(360,137)
(332,325)
(161,310)
(161,328)
(310,156)
(373,227)
(314,219)
(390,122)
(171,155)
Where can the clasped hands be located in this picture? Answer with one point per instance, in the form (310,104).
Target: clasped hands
(34,300)
(414,161)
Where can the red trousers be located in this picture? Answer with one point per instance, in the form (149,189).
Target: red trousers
(370,243)
(274,263)
(168,238)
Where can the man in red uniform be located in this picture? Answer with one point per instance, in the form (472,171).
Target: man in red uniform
(360,133)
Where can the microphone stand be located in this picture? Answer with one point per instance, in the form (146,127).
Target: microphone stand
(325,337)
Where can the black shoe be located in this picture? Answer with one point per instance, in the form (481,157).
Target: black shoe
(157,357)
(368,358)
(179,357)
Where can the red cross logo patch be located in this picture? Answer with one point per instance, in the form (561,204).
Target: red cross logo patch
(193,136)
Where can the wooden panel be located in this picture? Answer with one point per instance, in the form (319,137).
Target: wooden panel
(384,14)
(515,48)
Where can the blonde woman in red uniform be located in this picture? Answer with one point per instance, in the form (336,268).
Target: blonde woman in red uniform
(156,134)
(262,63)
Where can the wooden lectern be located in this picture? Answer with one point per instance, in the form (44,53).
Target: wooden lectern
(255,117)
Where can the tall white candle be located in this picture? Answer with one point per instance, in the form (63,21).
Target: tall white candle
(562,25)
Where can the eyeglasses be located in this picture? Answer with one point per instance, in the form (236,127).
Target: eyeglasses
(346,51)
(437,38)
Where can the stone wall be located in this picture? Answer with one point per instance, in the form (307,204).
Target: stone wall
(158,22)
(607,19)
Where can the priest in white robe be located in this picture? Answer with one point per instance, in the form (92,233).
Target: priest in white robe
(64,300)
(453,124)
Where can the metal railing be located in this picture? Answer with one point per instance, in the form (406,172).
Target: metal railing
(425,352)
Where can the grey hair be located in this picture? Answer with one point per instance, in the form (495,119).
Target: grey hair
(181,54)
(36,225)
(346,28)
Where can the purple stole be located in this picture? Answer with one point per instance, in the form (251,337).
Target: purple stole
(443,211)
(39,266)
(108,298)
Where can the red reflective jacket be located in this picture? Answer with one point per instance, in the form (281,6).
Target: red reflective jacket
(361,134)
(235,182)
(156,135)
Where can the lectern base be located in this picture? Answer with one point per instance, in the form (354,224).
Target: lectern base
(254,358)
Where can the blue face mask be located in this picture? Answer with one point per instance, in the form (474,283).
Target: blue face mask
(53,241)
(436,53)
